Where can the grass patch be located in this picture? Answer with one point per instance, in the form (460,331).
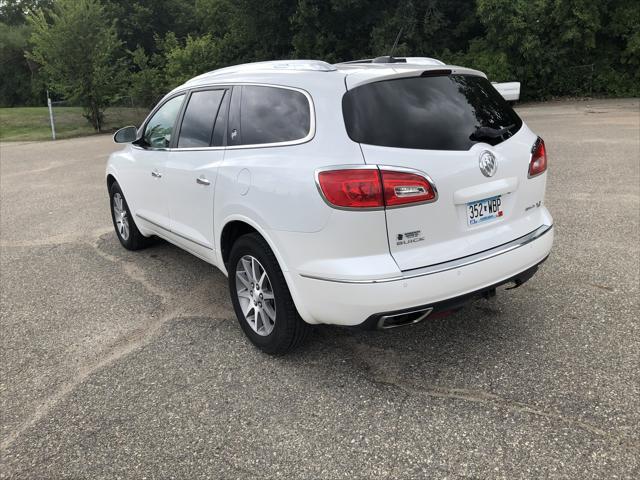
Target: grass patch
(32,123)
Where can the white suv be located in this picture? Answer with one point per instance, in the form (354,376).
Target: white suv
(359,194)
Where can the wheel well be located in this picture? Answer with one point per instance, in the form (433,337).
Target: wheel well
(231,232)
(110,181)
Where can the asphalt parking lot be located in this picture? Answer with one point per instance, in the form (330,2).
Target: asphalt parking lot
(118,364)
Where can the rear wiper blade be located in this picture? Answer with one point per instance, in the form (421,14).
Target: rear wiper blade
(490,133)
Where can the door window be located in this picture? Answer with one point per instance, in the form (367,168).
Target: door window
(157,132)
(199,117)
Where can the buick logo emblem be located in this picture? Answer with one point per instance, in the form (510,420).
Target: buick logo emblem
(488,164)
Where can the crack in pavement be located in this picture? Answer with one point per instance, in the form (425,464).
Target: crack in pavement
(376,370)
(140,338)
(53,240)
(51,166)
(131,342)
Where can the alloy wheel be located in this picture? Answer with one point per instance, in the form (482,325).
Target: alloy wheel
(120,216)
(255,295)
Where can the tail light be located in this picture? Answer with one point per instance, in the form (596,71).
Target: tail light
(373,188)
(401,188)
(352,188)
(538,163)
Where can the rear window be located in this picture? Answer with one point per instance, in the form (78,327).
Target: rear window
(444,112)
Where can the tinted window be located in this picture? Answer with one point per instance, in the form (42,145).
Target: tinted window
(157,133)
(271,115)
(199,117)
(445,112)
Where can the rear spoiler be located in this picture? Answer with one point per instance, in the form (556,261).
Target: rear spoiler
(394,71)
(510,91)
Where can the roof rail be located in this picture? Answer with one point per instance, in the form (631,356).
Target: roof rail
(364,60)
(296,65)
(387,59)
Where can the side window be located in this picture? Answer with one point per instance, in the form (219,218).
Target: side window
(272,115)
(157,133)
(199,118)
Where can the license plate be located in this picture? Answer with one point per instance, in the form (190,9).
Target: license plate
(484,211)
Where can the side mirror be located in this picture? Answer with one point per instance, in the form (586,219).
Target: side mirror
(126,135)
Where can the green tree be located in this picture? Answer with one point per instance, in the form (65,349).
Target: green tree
(16,77)
(336,30)
(554,47)
(429,27)
(14,12)
(566,47)
(78,52)
(148,81)
(248,30)
(19,82)
(139,22)
(198,55)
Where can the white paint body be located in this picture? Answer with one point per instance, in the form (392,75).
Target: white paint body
(510,91)
(335,261)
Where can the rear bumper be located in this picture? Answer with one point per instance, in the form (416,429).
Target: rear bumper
(361,302)
(416,314)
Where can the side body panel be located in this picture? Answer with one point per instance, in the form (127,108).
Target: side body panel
(191,183)
(132,168)
(149,201)
(275,185)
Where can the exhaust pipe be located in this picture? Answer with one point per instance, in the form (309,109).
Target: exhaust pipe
(402,319)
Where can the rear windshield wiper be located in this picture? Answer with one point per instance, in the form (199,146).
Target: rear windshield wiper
(490,133)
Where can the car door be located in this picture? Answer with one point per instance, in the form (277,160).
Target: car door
(192,168)
(147,189)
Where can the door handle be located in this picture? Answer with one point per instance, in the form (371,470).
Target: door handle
(203,181)
(156,174)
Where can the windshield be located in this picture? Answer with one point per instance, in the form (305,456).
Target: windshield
(444,112)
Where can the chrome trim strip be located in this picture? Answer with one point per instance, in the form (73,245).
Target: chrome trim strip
(171,231)
(452,264)
(195,149)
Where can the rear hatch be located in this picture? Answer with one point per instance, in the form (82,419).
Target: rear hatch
(448,125)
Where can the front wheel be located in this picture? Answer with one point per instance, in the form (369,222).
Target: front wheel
(126,229)
(261,298)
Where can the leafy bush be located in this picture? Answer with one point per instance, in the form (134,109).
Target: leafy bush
(86,47)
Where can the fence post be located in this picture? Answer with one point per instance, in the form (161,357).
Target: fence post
(53,126)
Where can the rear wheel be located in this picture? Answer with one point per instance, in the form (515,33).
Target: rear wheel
(261,298)
(126,229)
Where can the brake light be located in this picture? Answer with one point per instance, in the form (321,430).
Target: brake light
(352,188)
(401,188)
(538,163)
(374,188)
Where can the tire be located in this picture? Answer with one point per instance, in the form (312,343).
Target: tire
(272,325)
(126,229)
